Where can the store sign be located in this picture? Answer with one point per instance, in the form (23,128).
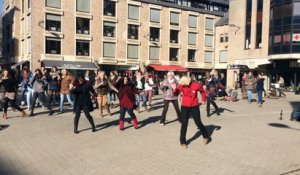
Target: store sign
(296,37)
(237,66)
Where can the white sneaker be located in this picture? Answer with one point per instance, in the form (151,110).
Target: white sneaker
(23,103)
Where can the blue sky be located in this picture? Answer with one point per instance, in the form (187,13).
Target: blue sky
(0,6)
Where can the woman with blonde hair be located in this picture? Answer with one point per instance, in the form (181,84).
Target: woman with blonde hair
(190,107)
(65,80)
(102,86)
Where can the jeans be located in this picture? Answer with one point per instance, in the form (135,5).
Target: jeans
(259,96)
(62,98)
(211,100)
(23,95)
(249,95)
(186,112)
(123,112)
(109,98)
(139,98)
(165,110)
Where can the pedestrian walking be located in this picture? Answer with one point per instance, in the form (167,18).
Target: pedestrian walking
(260,89)
(281,86)
(10,87)
(38,84)
(190,107)
(169,97)
(250,81)
(148,91)
(126,94)
(65,80)
(82,92)
(139,83)
(211,94)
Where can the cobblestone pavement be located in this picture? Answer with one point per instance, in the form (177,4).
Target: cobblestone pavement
(246,140)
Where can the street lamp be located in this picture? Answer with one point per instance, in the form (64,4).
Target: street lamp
(237,27)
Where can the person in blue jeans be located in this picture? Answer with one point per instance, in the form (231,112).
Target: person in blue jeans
(250,81)
(260,89)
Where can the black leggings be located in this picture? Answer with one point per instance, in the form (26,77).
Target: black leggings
(211,101)
(77,116)
(41,96)
(166,107)
(12,103)
(186,113)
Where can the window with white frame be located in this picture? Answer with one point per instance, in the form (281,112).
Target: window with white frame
(53,22)
(109,8)
(83,26)
(82,48)
(83,6)
(173,55)
(132,51)
(133,31)
(208,56)
(209,40)
(53,45)
(28,45)
(133,12)
(191,55)
(192,38)
(209,24)
(174,36)
(174,18)
(223,56)
(109,49)
(29,23)
(109,29)
(53,3)
(155,15)
(154,53)
(154,34)
(192,21)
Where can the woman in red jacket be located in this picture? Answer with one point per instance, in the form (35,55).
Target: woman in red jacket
(190,107)
(126,94)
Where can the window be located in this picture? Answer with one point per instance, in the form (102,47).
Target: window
(28,45)
(82,48)
(29,23)
(28,4)
(191,55)
(132,51)
(133,12)
(53,22)
(154,53)
(155,15)
(133,31)
(109,29)
(53,46)
(109,8)
(173,54)
(208,57)
(192,38)
(83,5)
(296,10)
(259,18)
(248,24)
(174,18)
(223,56)
(226,37)
(82,26)
(53,3)
(23,6)
(174,36)
(154,34)
(109,49)
(209,24)
(209,40)
(192,21)
(221,38)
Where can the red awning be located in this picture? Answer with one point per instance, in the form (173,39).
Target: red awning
(175,68)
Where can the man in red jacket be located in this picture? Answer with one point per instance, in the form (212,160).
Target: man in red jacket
(190,107)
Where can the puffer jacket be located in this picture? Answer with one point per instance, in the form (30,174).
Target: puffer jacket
(167,89)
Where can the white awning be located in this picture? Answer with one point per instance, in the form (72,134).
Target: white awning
(252,63)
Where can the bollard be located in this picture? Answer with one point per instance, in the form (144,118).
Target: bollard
(280,115)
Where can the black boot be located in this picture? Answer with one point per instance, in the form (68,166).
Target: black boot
(90,118)
(76,121)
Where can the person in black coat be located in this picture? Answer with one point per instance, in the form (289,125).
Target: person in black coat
(82,93)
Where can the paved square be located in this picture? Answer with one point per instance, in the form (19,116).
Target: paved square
(245,140)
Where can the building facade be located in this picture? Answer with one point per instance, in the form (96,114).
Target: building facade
(112,33)
(264,37)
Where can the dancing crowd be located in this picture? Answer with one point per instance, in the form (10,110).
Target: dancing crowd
(97,90)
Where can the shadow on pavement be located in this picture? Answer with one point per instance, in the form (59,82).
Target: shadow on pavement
(210,129)
(149,120)
(2,127)
(279,125)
